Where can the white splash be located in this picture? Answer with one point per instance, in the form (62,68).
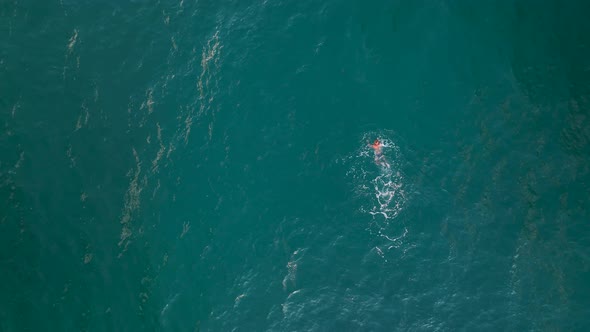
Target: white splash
(380,186)
(380,178)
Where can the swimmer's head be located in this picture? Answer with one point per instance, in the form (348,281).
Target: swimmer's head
(377,142)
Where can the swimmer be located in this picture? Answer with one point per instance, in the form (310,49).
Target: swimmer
(379,157)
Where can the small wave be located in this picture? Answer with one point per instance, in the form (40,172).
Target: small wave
(132,201)
(72,41)
(207,84)
(289,281)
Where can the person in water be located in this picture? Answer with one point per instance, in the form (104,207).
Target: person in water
(379,157)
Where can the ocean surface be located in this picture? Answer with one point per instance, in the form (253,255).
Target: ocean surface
(184,165)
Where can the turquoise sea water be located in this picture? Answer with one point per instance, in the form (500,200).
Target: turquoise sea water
(203,165)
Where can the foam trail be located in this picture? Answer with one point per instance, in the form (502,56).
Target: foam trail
(389,194)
